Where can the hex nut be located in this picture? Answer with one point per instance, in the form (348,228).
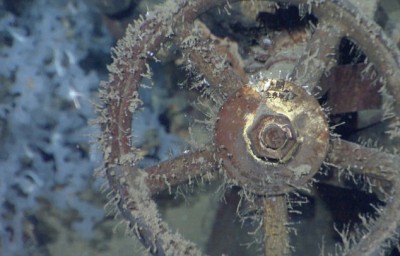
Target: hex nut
(272,137)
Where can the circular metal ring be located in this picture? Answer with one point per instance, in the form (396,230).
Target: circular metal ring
(133,187)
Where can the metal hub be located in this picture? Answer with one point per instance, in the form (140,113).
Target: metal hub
(272,137)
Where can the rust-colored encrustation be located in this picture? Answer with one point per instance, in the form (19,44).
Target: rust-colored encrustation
(272,137)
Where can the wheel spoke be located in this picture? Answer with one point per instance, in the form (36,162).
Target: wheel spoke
(181,169)
(362,160)
(377,165)
(320,56)
(275,220)
(214,58)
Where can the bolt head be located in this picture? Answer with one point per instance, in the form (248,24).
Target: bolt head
(272,138)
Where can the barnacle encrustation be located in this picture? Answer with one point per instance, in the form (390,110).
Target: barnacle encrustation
(271,134)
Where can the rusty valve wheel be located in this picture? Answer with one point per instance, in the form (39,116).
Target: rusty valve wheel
(271,136)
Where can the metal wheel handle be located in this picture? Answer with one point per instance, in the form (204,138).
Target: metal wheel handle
(271,136)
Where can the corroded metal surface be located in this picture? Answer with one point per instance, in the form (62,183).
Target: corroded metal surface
(273,138)
(276,101)
(199,164)
(362,160)
(320,56)
(275,221)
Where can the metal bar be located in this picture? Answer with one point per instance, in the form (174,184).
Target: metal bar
(217,62)
(362,160)
(319,56)
(275,219)
(184,168)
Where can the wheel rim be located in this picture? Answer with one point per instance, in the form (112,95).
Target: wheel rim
(121,99)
